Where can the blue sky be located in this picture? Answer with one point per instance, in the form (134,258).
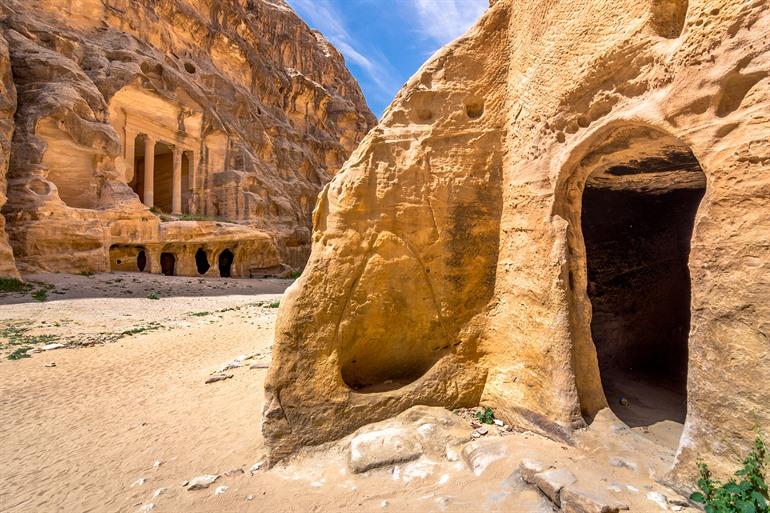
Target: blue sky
(385,41)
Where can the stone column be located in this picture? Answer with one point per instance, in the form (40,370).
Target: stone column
(192,181)
(149,171)
(129,154)
(176,183)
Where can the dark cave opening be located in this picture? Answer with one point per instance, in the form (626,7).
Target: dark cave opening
(202,261)
(226,263)
(637,222)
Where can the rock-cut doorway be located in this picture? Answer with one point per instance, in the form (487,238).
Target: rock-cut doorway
(638,211)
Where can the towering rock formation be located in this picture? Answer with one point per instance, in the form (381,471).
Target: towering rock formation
(245,111)
(7,110)
(545,212)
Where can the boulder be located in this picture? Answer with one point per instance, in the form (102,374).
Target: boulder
(577,500)
(551,482)
(381,447)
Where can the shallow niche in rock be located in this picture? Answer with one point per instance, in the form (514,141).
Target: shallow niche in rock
(474,108)
(424,115)
(189,67)
(40,187)
(373,356)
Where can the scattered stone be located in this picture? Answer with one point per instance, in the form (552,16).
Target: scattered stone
(384,504)
(184,483)
(220,490)
(258,366)
(483,430)
(51,347)
(659,499)
(52,364)
(255,467)
(234,472)
(552,481)
(138,482)
(678,501)
(158,492)
(374,449)
(147,507)
(156,464)
(623,463)
(574,500)
(499,422)
(201,482)
(218,377)
(479,455)
(624,402)
(528,468)
(249,497)
(231,365)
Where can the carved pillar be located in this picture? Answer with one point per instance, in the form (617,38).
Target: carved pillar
(129,154)
(149,171)
(194,183)
(176,182)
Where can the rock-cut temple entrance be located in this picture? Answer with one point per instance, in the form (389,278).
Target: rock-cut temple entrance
(637,217)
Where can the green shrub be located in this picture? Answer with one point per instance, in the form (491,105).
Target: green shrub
(40,295)
(153,295)
(19,353)
(749,495)
(13,285)
(274,304)
(486,416)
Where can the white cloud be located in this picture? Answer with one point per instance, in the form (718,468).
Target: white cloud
(445,20)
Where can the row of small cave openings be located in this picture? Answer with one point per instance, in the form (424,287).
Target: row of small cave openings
(124,259)
(165,181)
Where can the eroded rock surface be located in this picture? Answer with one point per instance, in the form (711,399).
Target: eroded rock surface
(246,112)
(450,265)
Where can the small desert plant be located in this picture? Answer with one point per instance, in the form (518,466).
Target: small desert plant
(749,495)
(13,285)
(153,295)
(19,353)
(486,416)
(40,295)
(273,304)
(200,314)
(295,275)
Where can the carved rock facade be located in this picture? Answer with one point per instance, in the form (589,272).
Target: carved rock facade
(244,111)
(571,196)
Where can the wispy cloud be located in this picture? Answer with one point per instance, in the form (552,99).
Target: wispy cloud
(324,16)
(444,20)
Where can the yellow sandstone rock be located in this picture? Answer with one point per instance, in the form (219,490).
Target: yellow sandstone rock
(570,196)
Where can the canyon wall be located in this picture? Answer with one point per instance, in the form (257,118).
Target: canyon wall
(245,111)
(450,265)
(7,110)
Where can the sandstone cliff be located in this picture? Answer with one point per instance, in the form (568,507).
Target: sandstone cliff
(246,111)
(527,228)
(7,110)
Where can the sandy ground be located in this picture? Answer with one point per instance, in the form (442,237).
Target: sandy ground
(124,417)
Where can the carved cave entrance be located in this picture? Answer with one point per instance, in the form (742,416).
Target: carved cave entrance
(167,263)
(202,261)
(641,195)
(226,263)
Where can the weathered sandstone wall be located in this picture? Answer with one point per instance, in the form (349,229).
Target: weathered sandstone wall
(7,110)
(449,265)
(247,113)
